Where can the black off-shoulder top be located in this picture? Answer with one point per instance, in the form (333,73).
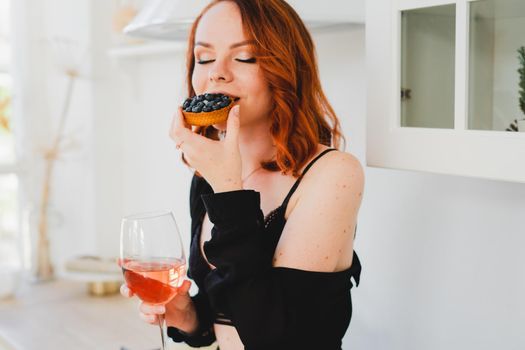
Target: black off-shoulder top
(270,307)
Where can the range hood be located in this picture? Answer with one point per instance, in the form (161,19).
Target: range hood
(165,19)
(172,19)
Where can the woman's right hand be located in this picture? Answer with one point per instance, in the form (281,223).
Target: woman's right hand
(179,312)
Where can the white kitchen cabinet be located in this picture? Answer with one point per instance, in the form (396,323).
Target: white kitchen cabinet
(442,86)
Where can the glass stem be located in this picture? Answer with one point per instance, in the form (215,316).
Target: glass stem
(161,327)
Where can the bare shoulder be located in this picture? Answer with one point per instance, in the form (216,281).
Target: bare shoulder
(318,235)
(337,170)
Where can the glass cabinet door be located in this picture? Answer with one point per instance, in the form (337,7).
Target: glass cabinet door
(446,86)
(496,58)
(427,67)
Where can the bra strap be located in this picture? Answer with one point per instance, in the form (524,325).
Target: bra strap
(296,184)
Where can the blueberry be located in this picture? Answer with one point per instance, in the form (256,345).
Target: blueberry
(196,109)
(206,102)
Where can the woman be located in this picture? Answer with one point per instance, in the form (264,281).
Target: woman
(273,208)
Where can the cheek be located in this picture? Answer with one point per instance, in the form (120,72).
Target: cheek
(198,80)
(265,96)
(255,84)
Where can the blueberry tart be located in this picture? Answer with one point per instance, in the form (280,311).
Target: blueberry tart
(207,109)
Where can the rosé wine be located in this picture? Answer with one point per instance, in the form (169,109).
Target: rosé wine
(155,281)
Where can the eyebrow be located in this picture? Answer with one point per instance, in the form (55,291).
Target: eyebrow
(233,46)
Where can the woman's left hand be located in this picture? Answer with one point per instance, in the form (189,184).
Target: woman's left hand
(219,162)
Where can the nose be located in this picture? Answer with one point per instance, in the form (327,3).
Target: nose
(220,72)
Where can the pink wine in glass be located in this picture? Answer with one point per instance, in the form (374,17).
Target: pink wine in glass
(156,281)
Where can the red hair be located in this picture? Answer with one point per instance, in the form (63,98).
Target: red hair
(301,116)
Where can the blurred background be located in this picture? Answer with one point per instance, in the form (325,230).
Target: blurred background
(85,112)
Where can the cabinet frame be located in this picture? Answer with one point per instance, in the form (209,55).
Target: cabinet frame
(496,155)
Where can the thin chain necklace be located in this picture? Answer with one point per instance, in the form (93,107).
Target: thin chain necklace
(250,174)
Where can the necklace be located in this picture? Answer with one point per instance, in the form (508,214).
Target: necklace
(250,174)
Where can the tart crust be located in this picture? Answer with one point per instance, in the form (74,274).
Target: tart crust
(208,118)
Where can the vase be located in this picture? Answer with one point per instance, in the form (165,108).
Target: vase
(37,247)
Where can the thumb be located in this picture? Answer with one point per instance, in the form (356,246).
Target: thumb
(185,288)
(232,126)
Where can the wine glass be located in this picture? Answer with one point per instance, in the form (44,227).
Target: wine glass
(152,258)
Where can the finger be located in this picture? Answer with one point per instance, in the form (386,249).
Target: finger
(151,319)
(179,130)
(232,126)
(181,120)
(182,298)
(180,302)
(151,309)
(125,291)
(185,288)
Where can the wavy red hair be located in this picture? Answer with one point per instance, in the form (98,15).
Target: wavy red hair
(301,115)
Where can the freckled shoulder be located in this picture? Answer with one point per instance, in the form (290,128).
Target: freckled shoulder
(337,169)
(319,231)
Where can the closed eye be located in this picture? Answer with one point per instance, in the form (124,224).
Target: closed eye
(205,61)
(249,60)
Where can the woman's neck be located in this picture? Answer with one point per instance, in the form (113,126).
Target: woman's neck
(255,145)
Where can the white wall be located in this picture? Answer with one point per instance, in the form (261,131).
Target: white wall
(137,166)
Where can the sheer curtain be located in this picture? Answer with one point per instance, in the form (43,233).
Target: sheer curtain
(9,170)
(10,213)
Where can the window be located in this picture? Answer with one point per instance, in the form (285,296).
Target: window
(9,213)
